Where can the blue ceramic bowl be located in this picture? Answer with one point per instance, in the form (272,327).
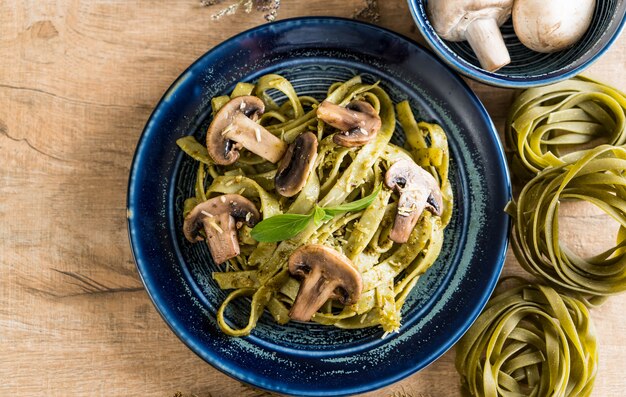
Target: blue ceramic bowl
(310,359)
(529,68)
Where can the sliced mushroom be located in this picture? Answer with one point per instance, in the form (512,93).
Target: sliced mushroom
(220,217)
(418,191)
(358,123)
(326,274)
(234,126)
(295,167)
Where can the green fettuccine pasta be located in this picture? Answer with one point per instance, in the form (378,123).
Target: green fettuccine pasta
(555,124)
(341,176)
(597,178)
(529,341)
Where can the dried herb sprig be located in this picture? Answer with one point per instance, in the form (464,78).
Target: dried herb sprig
(369,13)
(269,7)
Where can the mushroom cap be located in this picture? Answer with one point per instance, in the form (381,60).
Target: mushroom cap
(235,205)
(551,26)
(418,191)
(451,18)
(296,165)
(326,274)
(358,122)
(222,149)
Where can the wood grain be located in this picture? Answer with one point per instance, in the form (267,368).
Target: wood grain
(78,80)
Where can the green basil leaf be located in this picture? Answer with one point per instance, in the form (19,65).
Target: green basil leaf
(319,215)
(280,227)
(355,205)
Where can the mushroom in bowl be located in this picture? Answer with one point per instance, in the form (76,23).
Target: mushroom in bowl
(530,68)
(476,21)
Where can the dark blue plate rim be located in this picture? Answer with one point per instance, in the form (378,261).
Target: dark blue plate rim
(494,78)
(249,377)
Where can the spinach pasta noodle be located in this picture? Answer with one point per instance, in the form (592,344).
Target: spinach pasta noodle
(529,341)
(556,124)
(325,210)
(597,178)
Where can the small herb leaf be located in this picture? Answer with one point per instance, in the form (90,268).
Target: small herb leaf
(285,226)
(355,205)
(319,215)
(280,227)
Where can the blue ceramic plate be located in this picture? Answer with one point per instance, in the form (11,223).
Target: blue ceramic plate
(309,359)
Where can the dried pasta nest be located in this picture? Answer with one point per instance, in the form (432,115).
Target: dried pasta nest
(529,341)
(597,178)
(553,125)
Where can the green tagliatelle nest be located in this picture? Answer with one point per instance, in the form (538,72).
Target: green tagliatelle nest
(552,125)
(597,178)
(529,341)
(341,175)
(553,132)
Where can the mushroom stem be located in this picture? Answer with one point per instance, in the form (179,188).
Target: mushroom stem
(236,122)
(221,236)
(476,21)
(256,139)
(486,40)
(418,191)
(317,292)
(220,217)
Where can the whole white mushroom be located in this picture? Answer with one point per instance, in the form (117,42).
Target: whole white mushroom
(551,25)
(478,22)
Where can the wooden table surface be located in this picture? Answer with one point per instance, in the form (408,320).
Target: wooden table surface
(78,80)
